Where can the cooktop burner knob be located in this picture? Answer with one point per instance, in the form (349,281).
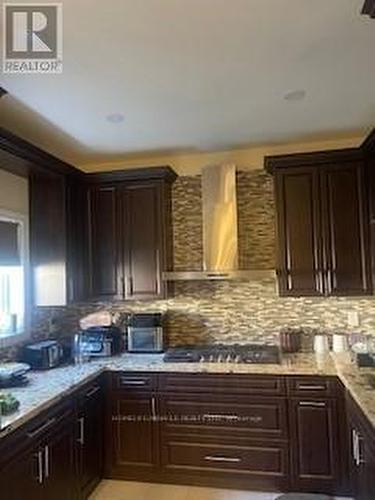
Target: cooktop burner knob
(220,358)
(229,359)
(237,359)
(211,358)
(201,359)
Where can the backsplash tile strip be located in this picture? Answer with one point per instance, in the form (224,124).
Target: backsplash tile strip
(224,311)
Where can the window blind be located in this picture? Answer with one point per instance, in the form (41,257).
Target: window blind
(9,251)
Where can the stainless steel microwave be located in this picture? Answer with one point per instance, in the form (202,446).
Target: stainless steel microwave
(145,333)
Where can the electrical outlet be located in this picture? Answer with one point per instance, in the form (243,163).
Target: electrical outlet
(353,319)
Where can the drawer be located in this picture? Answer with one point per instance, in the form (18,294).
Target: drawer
(225,384)
(313,386)
(250,460)
(256,416)
(134,381)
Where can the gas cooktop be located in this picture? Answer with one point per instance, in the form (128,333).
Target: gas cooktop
(222,353)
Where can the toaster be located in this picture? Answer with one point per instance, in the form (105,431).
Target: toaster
(43,355)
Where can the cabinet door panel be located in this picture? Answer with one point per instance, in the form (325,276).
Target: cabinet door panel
(134,433)
(90,438)
(345,231)
(315,445)
(23,477)
(104,243)
(48,239)
(299,230)
(60,479)
(143,247)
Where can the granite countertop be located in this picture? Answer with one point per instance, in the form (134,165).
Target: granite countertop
(47,388)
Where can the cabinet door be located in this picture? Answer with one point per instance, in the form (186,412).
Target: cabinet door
(299,232)
(48,239)
(77,240)
(90,438)
(314,445)
(59,464)
(134,434)
(345,230)
(105,259)
(143,240)
(23,477)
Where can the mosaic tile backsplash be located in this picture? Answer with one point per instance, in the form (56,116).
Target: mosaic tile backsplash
(227,311)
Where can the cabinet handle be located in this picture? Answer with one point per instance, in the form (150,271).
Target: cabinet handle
(312,387)
(360,459)
(218,458)
(92,391)
(355,446)
(81,439)
(39,457)
(129,283)
(317,404)
(42,428)
(129,381)
(153,407)
(46,462)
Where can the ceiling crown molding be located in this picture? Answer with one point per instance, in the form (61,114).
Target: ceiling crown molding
(369,8)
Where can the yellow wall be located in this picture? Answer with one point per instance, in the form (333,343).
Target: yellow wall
(245,159)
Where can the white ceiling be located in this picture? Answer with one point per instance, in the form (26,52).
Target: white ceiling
(197,74)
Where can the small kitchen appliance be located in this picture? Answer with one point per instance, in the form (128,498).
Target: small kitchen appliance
(145,332)
(13,374)
(43,355)
(99,341)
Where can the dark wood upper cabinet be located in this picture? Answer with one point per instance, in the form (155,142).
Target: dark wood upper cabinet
(299,232)
(143,240)
(322,224)
(130,238)
(48,230)
(345,230)
(104,237)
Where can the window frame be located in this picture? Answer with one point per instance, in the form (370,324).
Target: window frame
(8,340)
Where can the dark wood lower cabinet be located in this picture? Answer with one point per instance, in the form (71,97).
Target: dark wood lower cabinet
(89,441)
(362,453)
(268,433)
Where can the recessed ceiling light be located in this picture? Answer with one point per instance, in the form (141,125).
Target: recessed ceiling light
(115,118)
(295,95)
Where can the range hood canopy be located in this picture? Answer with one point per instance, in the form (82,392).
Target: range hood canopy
(220,230)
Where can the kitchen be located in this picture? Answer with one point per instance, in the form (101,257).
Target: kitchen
(198,323)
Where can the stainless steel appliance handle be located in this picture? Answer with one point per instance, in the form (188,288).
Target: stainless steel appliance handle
(81,438)
(42,428)
(46,462)
(355,446)
(317,404)
(218,458)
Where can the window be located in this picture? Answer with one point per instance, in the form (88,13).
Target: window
(13,273)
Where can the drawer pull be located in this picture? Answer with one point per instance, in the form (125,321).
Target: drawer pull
(218,416)
(130,381)
(312,387)
(92,391)
(42,428)
(218,458)
(317,404)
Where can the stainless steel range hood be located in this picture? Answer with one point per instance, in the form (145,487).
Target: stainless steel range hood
(220,230)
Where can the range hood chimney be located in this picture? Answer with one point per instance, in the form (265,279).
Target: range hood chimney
(220,230)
